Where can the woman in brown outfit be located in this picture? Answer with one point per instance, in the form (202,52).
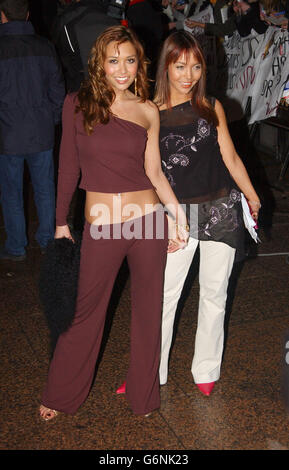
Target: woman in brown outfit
(110,136)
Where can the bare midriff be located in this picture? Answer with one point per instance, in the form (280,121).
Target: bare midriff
(113,208)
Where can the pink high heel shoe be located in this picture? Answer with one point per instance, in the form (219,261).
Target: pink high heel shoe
(121,389)
(206,388)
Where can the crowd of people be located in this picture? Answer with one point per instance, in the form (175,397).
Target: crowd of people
(160,175)
(231,15)
(71,24)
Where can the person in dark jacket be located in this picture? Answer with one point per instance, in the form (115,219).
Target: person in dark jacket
(74,33)
(31,97)
(76,29)
(146,21)
(249,18)
(219,27)
(42,14)
(246,17)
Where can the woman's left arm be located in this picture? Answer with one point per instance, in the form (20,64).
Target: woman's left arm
(234,163)
(153,169)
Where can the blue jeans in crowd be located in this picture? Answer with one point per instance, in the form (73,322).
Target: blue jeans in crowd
(41,170)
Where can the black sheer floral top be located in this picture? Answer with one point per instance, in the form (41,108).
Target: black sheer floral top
(193,164)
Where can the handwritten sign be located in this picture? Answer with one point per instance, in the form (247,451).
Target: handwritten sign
(255,66)
(272,76)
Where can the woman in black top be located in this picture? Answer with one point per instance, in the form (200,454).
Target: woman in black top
(203,168)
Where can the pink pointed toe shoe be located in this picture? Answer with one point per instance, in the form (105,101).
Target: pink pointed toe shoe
(121,389)
(207,388)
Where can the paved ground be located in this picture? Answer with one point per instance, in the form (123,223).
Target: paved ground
(247,409)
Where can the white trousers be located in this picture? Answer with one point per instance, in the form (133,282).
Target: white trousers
(216,263)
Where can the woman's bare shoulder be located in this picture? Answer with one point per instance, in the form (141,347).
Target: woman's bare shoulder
(150,109)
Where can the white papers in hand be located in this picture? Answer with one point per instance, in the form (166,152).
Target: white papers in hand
(249,222)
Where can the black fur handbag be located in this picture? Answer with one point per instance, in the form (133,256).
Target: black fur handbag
(58,283)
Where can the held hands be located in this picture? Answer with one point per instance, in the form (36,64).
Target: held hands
(62,231)
(180,240)
(178,236)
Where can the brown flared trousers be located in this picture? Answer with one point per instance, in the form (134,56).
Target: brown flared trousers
(72,368)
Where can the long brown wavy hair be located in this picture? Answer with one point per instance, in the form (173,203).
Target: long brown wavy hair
(176,44)
(95,95)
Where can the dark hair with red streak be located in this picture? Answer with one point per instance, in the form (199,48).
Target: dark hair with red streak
(178,43)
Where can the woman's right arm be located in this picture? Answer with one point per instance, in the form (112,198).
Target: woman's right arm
(178,228)
(234,163)
(69,168)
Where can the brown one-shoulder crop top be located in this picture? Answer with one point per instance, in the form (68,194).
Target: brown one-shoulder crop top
(110,160)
